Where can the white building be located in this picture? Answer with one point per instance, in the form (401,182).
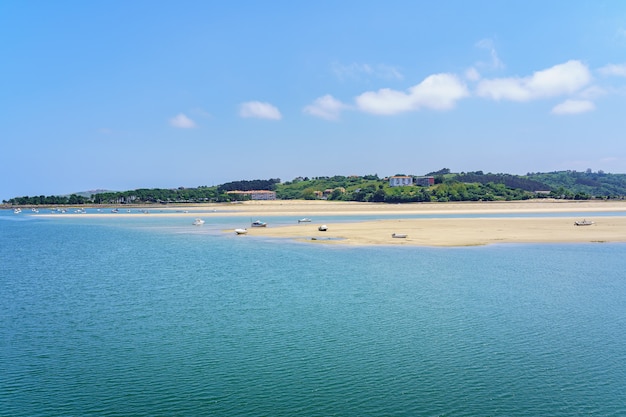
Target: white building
(400,180)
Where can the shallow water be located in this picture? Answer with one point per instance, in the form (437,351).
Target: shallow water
(145,316)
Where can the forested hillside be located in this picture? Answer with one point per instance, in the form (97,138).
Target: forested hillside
(598,184)
(511,181)
(447,186)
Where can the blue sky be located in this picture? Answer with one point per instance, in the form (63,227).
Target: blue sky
(121,95)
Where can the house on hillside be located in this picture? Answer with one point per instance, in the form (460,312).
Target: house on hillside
(400,180)
(329,191)
(256,194)
(425,181)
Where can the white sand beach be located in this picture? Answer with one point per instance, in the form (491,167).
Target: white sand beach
(425,232)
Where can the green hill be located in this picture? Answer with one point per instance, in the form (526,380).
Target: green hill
(446,186)
(595,184)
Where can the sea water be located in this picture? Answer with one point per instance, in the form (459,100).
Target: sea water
(155,317)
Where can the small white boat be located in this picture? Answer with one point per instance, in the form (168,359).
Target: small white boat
(17,210)
(399,235)
(583,223)
(259,223)
(198,222)
(305,220)
(322,228)
(241,231)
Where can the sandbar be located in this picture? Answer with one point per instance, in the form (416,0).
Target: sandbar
(608,226)
(447,231)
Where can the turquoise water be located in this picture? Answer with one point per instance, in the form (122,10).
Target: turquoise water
(154,317)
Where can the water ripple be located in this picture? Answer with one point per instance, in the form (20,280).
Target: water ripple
(125,321)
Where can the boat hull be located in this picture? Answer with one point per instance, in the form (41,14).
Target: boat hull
(583,223)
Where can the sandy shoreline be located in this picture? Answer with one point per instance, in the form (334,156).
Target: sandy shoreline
(446,231)
(282,207)
(456,232)
(300,207)
(422,232)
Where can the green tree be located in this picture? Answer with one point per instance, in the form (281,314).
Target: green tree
(308,194)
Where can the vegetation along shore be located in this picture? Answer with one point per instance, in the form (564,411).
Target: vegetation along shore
(439,186)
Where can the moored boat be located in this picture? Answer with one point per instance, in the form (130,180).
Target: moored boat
(322,228)
(584,222)
(258,223)
(241,231)
(399,235)
(304,220)
(198,222)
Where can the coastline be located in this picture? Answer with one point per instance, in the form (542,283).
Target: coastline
(420,232)
(457,231)
(473,231)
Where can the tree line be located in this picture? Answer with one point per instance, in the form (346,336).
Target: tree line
(448,186)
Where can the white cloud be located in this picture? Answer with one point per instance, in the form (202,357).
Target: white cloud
(613,69)
(472,74)
(573,107)
(353,70)
(357,71)
(388,72)
(560,79)
(183,122)
(495,62)
(591,92)
(259,110)
(200,112)
(438,92)
(326,107)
